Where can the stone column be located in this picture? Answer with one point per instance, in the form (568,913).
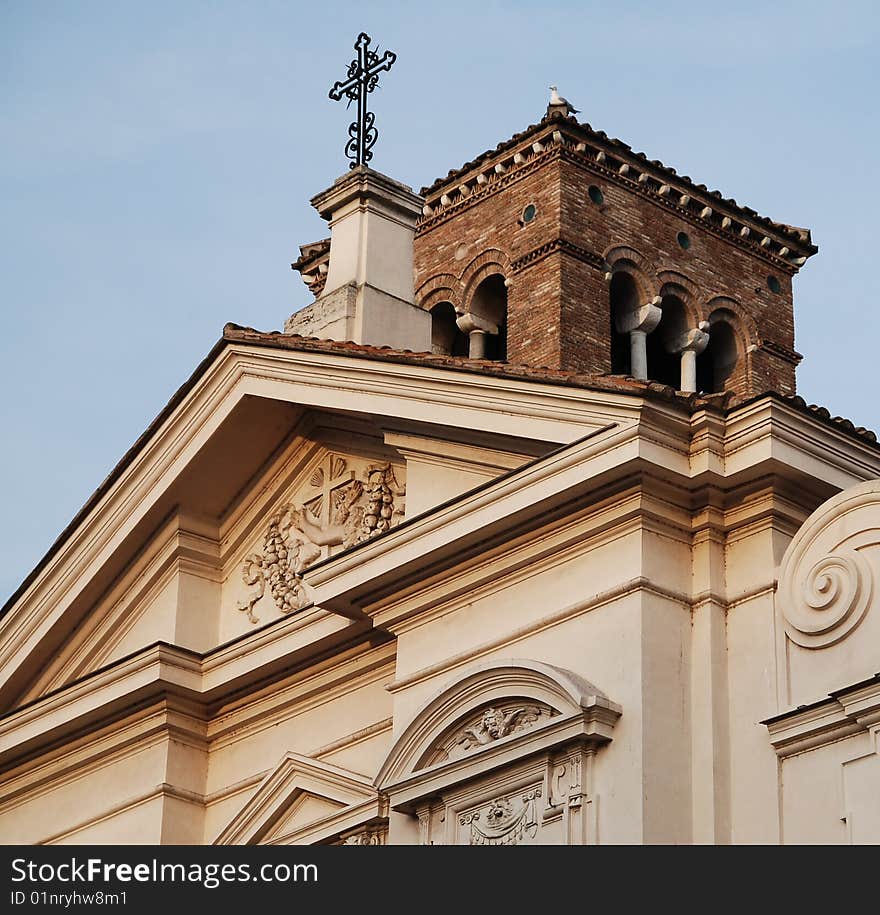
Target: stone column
(477,344)
(638,323)
(689,344)
(638,354)
(476,328)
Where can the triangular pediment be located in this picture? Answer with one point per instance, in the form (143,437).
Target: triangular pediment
(198,583)
(304,810)
(199,489)
(303,801)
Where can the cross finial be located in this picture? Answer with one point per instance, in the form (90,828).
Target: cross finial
(362,78)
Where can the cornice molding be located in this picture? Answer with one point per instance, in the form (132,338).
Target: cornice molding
(296,774)
(410,392)
(104,745)
(177,546)
(769,428)
(494,185)
(552,247)
(561,138)
(156,672)
(793,357)
(847,711)
(192,683)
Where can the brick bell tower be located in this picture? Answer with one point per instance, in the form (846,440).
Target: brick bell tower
(563,248)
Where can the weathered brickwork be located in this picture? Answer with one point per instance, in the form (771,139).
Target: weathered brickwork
(558,265)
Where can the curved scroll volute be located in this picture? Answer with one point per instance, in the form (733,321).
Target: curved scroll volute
(827,577)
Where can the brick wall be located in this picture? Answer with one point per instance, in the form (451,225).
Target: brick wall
(558,299)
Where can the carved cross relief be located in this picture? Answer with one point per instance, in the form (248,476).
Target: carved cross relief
(333,474)
(338,508)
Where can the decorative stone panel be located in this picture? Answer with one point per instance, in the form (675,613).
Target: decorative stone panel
(343,502)
(502,756)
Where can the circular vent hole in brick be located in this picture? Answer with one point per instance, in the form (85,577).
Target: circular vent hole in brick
(529,213)
(773,284)
(596,195)
(684,240)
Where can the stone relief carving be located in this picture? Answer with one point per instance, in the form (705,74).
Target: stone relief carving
(833,597)
(366,836)
(431,821)
(425,826)
(826,576)
(504,821)
(491,724)
(495,724)
(339,511)
(564,784)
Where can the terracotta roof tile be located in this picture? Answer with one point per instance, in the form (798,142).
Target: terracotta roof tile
(847,425)
(615,384)
(618,384)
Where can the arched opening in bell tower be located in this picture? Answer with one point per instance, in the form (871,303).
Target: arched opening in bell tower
(446,338)
(624,297)
(663,365)
(717,362)
(489,304)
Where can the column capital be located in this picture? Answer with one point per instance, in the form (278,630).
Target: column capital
(694,340)
(642,317)
(469,323)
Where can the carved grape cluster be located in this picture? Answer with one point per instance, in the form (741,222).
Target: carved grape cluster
(281,566)
(380,505)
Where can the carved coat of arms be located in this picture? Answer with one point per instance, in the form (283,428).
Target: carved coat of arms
(341,511)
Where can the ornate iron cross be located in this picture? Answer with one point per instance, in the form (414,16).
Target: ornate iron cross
(363,76)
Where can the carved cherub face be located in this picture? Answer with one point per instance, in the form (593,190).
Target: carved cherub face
(493,723)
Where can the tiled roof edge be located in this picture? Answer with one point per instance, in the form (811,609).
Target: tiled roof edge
(613,384)
(821,413)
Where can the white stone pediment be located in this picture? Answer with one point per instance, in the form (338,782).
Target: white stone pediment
(209,453)
(492,717)
(194,588)
(304,801)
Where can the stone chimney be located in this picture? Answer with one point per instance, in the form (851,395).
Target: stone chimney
(368,295)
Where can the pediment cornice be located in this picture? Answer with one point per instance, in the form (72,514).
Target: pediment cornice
(139,493)
(494,714)
(356,799)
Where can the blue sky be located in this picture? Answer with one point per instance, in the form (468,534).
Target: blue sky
(157,161)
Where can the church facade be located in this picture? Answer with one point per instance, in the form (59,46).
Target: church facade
(517,534)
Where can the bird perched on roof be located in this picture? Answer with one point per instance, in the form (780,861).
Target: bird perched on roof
(560,104)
